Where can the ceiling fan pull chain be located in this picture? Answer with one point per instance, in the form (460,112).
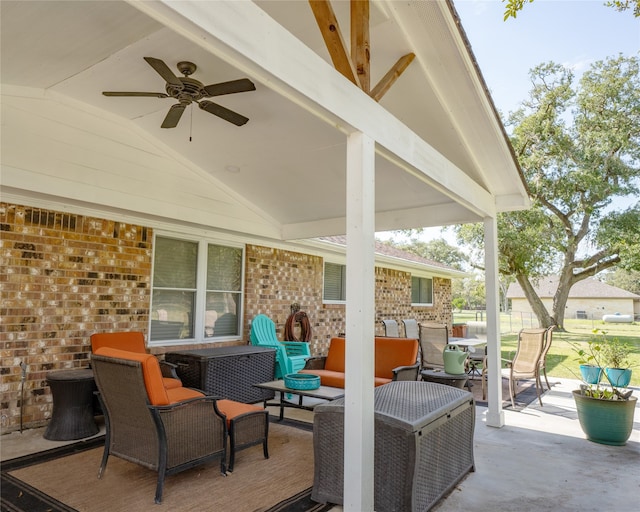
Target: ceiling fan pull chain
(191,124)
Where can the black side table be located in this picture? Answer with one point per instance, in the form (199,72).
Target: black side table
(72,416)
(441,377)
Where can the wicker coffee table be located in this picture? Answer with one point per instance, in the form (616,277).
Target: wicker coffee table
(321,393)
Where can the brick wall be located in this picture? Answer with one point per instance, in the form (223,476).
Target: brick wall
(275,279)
(64,276)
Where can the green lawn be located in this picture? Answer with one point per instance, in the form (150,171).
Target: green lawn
(561,360)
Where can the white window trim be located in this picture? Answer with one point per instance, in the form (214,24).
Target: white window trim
(423,304)
(201,289)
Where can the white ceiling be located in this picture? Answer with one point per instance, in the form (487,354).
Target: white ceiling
(291,162)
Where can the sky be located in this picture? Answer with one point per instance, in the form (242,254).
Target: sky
(574,33)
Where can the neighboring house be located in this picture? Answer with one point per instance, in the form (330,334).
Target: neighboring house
(588,298)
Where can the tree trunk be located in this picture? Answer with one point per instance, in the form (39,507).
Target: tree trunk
(544,319)
(565,282)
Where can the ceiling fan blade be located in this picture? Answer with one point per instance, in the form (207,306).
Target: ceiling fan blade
(242,85)
(173,116)
(149,94)
(163,70)
(223,113)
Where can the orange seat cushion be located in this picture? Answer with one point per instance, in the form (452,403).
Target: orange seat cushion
(231,409)
(171,383)
(328,377)
(153,380)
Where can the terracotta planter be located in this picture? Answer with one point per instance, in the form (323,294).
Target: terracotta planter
(605,421)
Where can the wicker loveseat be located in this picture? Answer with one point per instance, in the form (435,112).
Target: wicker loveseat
(395,359)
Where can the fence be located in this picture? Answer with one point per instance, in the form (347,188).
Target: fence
(510,323)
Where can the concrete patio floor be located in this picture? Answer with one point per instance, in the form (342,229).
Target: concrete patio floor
(539,461)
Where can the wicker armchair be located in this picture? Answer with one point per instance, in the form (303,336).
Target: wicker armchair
(165,430)
(133,341)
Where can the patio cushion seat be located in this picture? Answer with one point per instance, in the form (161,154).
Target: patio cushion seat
(247,425)
(393,357)
(153,380)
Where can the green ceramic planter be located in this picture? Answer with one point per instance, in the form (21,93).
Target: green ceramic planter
(605,421)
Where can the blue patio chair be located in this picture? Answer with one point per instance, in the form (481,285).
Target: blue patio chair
(290,355)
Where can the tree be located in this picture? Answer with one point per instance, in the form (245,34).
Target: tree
(579,150)
(436,250)
(514,6)
(628,280)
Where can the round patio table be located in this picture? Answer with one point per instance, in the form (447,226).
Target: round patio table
(441,377)
(72,416)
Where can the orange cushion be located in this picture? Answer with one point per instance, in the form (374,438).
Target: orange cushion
(133,341)
(336,355)
(231,409)
(171,383)
(150,370)
(393,352)
(328,377)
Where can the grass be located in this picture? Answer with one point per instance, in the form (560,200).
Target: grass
(562,361)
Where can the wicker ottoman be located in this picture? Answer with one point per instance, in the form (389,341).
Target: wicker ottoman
(423,445)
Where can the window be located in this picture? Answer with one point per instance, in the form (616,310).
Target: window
(197,290)
(421,290)
(335,282)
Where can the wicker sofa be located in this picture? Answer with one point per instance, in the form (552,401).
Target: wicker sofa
(395,359)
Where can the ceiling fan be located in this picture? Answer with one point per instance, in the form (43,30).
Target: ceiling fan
(187,90)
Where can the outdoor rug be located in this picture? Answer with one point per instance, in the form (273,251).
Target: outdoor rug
(65,480)
(525,393)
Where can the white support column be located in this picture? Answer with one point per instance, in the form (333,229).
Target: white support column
(495,414)
(358,421)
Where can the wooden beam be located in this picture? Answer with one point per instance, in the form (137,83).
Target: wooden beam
(360,47)
(328,24)
(392,75)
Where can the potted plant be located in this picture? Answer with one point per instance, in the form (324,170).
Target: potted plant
(605,410)
(615,355)
(591,373)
